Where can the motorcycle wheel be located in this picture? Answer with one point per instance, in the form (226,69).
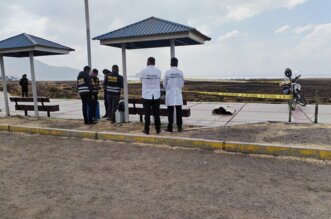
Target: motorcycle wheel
(302,101)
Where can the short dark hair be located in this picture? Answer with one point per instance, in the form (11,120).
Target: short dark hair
(174,62)
(95,70)
(105,71)
(87,68)
(114,67)
(151,61)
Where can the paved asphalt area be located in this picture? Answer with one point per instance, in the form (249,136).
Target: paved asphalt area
(51,177)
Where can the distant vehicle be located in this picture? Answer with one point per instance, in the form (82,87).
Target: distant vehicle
(293,87)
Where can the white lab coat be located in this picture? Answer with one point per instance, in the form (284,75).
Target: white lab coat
(150,78)
(173,83)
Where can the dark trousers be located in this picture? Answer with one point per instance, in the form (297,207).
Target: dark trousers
(94,105)
(113,101)
(86,104)
(179,116)
(105,97)
(152,106)
(24,92)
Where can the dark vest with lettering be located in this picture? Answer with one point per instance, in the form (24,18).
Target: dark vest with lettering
(95,83)
(113,84)
(82,83)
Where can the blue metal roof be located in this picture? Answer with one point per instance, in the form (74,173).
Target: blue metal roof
(24,41)
(149,27)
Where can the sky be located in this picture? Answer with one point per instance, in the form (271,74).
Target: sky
(250,38)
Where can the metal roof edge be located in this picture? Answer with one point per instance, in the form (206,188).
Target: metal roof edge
(30,38)
(159,19)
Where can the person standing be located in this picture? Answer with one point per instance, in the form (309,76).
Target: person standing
(150,78)
(173,83)
(85,92)
(24,83)
(95,83)
(113,84)
(105,72)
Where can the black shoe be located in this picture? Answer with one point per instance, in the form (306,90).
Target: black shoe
(109,119)
(168,130)
(92,122)
(105,116)
(85,122)
(146,132)
(180,129)
(158,131)
(112,122)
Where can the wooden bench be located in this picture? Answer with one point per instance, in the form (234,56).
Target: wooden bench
(26,108)
(139,110)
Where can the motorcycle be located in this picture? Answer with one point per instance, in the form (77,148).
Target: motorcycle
(294,88)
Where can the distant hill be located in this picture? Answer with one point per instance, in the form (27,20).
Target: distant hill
(10,78)
(17,67)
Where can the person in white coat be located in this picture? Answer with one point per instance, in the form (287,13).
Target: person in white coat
(173,83)
(150,78)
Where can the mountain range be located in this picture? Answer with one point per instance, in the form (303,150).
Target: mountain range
(15,68)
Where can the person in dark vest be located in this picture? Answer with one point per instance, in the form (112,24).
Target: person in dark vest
(95,83)
(114,85)
(105,72)
(24,82)
(85,92)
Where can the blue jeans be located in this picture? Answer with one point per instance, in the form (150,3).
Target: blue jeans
(86,105)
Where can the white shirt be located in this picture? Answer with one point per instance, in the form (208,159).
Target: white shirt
(150,78)
(173,83)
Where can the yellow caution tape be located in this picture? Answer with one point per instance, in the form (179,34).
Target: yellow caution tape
(259,96)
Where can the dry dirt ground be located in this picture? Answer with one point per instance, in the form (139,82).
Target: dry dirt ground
(275,133)
(51,177)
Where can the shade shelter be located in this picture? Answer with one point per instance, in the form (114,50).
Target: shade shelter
(150,33)
(25,45)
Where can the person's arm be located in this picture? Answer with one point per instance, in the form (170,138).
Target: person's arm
(141,75)
(165,81)
(121,81)
(182,80)
(88,82)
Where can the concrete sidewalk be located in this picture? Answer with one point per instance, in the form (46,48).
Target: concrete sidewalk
(201,113)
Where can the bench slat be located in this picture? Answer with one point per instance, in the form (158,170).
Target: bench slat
(49,108)
(140,101)
(28,99)
(163,111)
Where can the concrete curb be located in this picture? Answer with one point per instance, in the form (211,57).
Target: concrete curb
(239,147)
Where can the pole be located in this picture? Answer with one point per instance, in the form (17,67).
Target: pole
(290,110)
(34,86)
(173,55)
(88,35)
(316,107)
(172,48)
(4,85)
(125,84)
